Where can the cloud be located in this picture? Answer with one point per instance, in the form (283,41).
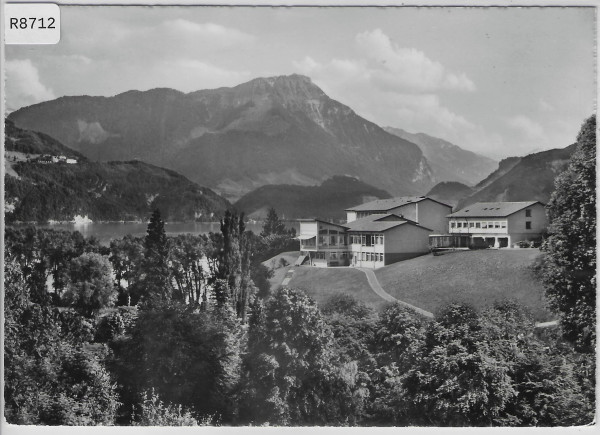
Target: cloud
(215,34)
(529,128)
(352,82)
(397,68)
(23,85)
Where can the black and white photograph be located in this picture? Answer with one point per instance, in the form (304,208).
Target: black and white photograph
(299,216)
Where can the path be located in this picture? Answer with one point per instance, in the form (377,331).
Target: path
(374,283)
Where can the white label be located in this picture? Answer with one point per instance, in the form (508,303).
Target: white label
(31,23)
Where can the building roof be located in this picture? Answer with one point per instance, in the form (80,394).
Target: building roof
(391,203)
(379,223)
(492,209)
(322,221)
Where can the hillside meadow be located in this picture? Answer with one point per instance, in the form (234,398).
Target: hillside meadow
(431,282)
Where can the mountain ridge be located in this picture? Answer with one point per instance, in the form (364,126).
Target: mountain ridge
(236,139)
(448,161)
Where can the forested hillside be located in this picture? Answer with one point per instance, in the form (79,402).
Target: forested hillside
(111,191)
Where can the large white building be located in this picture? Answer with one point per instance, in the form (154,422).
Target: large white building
(499,224)
(376,233)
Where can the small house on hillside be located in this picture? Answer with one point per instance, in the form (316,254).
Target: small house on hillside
(499,224)
(373,237)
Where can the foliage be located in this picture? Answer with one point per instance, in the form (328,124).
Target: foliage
(155,281)
(189,357)
(292,375)
(187,271)
(273,225)
(126,256)
(570,270)
(90,287)
(154,412)
(234,260)
(49,376)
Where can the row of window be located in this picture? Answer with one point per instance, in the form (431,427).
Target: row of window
(332,255)
(478,224)
(367,239)
(332,240)
(369,256)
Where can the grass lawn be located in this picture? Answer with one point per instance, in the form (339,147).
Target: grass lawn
(279,272)
(320,284)
(476,277)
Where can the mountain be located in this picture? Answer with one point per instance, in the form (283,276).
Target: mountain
(449,162)
(277,130)
(450,192)
(326,201)
(529,178)
(107,191)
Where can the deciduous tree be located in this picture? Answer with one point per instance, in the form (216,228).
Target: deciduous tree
(570,270)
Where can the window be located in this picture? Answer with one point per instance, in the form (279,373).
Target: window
(332,240)
(363,256)
(484,225)
(342,240)
(333,256)
(477,224)
(471,224)
(458,224)
(363,240)
(528,225)
(503,224)
(496,224)
(381,257)
(528,212)
(321,240)
(369,240)
(320,255)
(452,224)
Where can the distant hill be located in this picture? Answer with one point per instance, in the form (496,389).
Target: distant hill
(275,130)
(450,192)
(110,191)
(449,162)
(326,201)
(29,142)
(529,178)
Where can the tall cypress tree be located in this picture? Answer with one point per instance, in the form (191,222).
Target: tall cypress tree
(155,267)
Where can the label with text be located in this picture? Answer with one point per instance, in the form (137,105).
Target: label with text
(31,23)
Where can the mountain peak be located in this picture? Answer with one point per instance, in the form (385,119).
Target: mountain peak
(286,86)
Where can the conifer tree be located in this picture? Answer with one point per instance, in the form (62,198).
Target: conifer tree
(156,282)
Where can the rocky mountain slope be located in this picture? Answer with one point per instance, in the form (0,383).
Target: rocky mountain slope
(107,191)
(326,201)
(529,178)
(449,162)
(277,130)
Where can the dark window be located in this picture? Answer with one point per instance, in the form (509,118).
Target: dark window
(528,213)
(528,225)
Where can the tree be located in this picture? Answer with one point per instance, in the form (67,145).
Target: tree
(292,374)
(570,268)
(191,358)
(126,256)
(90,284)
(49,377)
(234,260)
(273,225)
(187,253)
(156,280)
(456,381)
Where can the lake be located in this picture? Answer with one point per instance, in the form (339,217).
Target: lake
(105,232)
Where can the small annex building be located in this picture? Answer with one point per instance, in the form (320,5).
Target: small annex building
(499,224)
(373,236)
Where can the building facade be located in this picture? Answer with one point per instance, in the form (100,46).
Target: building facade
(421,209)
(373,237)
(500,224)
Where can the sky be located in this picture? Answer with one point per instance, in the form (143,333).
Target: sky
(497,81)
